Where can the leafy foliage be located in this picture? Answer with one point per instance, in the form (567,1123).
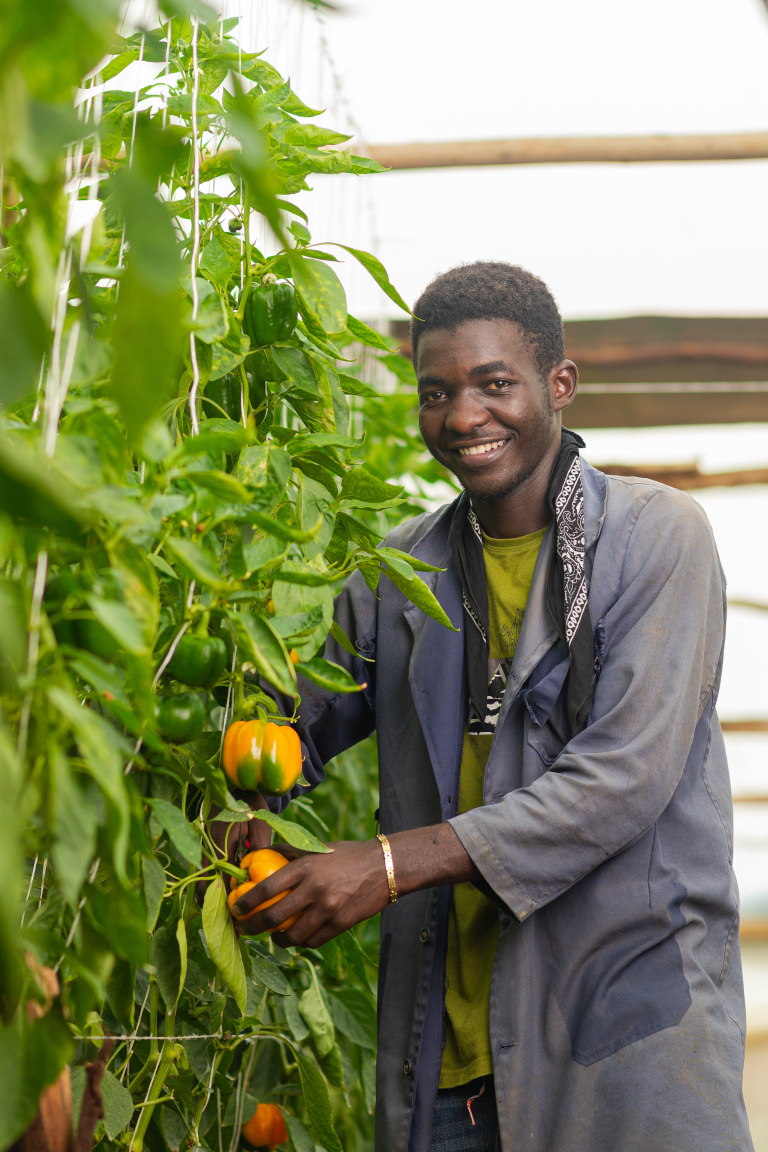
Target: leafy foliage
(163,477)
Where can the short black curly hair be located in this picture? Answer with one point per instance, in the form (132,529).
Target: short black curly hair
(492,290)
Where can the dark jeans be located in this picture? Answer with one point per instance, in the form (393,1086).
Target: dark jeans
(452,1127)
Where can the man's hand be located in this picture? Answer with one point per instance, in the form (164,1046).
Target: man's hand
(256,832)
(331,893)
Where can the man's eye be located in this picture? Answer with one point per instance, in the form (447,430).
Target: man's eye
(430,397)
(498,384)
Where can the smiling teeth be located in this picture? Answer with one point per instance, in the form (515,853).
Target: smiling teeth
(481,449)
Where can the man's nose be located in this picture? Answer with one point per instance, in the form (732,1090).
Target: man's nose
(465,414)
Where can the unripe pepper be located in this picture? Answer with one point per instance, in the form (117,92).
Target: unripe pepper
(263,755)
(198,660)
(266,1128)
(270,313)
(180,718)
(260,865)
(226,393)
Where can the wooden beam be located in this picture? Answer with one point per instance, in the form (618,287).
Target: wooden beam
(744,725)
(754,929)
(573,150)
(688,476)
(649,405)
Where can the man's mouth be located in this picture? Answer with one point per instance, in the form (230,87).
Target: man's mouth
(480,449)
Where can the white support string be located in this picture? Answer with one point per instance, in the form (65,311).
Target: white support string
(33,650)
(29,889)
(195,231)
(132,1039)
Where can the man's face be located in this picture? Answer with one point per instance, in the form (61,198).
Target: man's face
(485,411)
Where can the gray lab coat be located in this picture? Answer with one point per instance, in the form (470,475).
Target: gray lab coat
(617,1013)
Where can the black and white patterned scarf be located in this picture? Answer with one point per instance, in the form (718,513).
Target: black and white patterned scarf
(566,597)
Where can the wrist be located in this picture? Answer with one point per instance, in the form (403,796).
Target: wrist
(389,867)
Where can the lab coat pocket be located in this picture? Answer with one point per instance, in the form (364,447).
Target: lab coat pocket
(546,720)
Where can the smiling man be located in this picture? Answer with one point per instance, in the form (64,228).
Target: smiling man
(560,963)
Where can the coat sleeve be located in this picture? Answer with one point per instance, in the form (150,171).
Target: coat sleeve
(664,640)
(330,722)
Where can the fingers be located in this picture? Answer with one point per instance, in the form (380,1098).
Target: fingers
(274,885)
(259,835)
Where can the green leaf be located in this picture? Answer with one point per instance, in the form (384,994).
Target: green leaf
(342,639)
(181,940)
(321,290)
(121,624)
(293,597)
(368,336)
(360,489)
(179,829)
(332,1064)
(318,1104)
(419,594)
(121,991)
(351,1026)
(318,1019)
(259,642)
(328,675)
(23,338)
(313,440)
(266,468)
(313,136)
(167,961)
(153,878)
(297,369)
(379,274)
(400,565)
(293,833)
(118,1105)
(100,746)
(412,561)
(218,261)
(351,386)
(301,1140)
(292,572)
(286,531)
(266,972)
(220,484)
(222,941)
(196,560)
(298,1028)
(74,830)
(216,435)
(34,492)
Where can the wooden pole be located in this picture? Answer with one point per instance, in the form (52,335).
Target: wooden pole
(573,150)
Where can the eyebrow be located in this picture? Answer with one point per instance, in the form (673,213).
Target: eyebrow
(479,370)
(493,366)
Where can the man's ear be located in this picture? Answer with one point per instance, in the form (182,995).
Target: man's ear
(563,383)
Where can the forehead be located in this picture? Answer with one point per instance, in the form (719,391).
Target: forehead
(455,352)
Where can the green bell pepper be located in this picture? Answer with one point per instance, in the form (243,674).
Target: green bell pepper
(270,313)
(198,660)
(225,393)
(180,718)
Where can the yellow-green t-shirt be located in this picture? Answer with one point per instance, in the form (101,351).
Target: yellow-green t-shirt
(473,925)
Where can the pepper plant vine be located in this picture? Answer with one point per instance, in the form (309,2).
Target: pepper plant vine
(179,499)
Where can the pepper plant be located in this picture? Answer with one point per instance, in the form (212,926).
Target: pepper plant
(180,496)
